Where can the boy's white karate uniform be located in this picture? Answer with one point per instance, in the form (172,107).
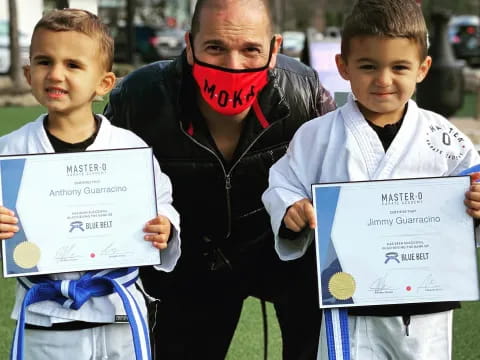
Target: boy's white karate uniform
(84,344)
(341,146)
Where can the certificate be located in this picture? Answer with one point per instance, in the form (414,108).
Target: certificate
(78,211)
(394,242)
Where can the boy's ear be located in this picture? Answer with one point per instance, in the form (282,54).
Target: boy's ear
(423,69)
(342,67)
(27,74)
(106,84)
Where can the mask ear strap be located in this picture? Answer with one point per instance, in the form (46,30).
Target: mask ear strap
(272,44)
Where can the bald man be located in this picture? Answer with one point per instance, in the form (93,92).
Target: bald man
(217,118)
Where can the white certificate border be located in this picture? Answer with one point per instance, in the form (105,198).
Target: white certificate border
(86,153)
(317,240)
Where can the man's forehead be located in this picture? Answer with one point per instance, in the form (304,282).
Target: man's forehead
(225,4)
(233,14)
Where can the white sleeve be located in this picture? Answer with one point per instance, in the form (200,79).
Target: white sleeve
(472,158)
(163,188)
(290,180)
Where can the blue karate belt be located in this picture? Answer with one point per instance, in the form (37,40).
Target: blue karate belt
(72,294)
(336,329)
(471,170)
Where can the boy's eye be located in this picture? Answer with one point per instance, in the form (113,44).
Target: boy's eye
(42,62)
(367,67)
(400,67)
(72,65)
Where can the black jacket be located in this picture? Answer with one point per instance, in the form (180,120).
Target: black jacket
(219,202)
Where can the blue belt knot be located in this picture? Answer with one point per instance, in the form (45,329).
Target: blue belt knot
(72,294)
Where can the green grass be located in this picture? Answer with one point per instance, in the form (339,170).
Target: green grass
(469,105)
(13,117)
(6,324)
(248,340)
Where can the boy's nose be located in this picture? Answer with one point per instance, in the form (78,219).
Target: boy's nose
(56,73)
(384,78)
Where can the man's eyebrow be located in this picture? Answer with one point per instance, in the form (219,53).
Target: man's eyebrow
(253,44)
(222,43)
(213,42)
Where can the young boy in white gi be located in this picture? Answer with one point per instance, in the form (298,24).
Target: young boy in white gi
(380,133)
(71,59)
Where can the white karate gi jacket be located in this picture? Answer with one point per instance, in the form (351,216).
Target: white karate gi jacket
(341,146)
(31,139)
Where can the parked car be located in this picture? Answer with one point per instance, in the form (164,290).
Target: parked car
(464,35)
(145,50)
(293,43)
(169,42)
(151,43)
(24,41)
(333,32)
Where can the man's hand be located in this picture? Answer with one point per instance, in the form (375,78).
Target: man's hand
(299,215)
(472,197)
(158,231)
(7,223)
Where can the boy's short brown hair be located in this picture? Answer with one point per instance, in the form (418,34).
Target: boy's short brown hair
(84,22)
(386,18)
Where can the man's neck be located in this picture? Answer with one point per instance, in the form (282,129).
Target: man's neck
(225,129)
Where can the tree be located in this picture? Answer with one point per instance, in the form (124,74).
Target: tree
(131,31)
(61,4)
(15,68)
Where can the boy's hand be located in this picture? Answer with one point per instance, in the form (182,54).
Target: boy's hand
(7,223)
(472,197)
(299,215)
(158,231)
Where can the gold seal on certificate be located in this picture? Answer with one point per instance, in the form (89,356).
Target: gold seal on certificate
(26,254)
(341,285)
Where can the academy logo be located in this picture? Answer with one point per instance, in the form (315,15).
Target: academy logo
(446,142)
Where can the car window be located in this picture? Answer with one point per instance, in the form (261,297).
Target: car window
(3,28)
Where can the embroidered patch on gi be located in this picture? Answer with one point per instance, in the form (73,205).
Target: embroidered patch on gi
(447,142)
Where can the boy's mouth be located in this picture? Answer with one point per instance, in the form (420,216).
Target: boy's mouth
(383,93)
(55,92)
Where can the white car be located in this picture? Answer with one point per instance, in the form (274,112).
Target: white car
(24,41)
(293,42)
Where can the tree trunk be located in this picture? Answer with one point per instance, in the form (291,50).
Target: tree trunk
(15,71)
(130,28)
(61,4)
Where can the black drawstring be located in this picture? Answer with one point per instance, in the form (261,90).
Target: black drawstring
(265,329)
(406,322)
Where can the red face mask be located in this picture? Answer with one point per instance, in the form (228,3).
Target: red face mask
(229,91)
